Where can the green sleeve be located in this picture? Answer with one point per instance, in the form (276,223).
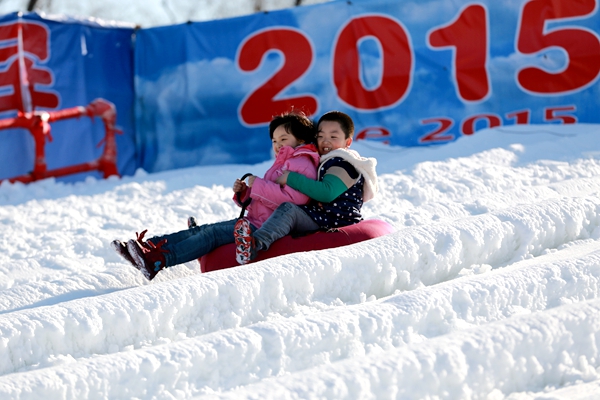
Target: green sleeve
(325,191)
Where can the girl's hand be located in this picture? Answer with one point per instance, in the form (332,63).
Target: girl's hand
(282,180)
(239,186)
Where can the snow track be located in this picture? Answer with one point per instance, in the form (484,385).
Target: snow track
(498,358)
(359,333)
(489,288)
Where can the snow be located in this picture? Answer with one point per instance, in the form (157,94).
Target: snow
(488,288)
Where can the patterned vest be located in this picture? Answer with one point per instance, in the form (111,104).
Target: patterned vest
(345,209)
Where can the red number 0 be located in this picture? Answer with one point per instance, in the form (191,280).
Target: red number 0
(397,63)
(468,35)
(581,45)
(260,106)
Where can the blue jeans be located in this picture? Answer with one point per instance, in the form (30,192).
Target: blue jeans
(191,244)
(287,218)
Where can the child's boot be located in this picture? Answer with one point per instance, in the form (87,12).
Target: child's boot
(140,239)
(148,257)
(245,245)
(121,249)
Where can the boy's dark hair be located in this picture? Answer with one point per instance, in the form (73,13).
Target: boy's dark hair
(295,123)
(343,119)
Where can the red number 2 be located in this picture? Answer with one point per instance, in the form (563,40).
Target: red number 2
(260,106)
(581,45)
(438,135)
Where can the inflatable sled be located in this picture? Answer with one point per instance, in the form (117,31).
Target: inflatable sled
(224,256)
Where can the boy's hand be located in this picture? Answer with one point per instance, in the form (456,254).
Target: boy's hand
(282,180)
(239,186)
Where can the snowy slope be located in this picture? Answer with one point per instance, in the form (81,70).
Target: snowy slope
(489,288)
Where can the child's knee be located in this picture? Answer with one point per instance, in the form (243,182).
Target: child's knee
(287,206)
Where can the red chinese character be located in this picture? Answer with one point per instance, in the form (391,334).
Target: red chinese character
(24,44)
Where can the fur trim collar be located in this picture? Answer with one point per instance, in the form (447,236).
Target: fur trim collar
(364,165)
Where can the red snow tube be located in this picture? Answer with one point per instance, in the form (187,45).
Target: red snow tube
(224,256)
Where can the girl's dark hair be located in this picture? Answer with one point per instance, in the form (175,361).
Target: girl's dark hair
(343,119)
(295,123)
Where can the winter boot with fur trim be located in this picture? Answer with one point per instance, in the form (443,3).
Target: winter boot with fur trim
(148,257)
(121,249)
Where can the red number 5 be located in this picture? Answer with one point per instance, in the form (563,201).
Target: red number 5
(582,46)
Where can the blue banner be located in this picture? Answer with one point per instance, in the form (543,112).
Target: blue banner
(409,73)
(56,64)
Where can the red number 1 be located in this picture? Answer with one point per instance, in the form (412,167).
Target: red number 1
(468,35)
